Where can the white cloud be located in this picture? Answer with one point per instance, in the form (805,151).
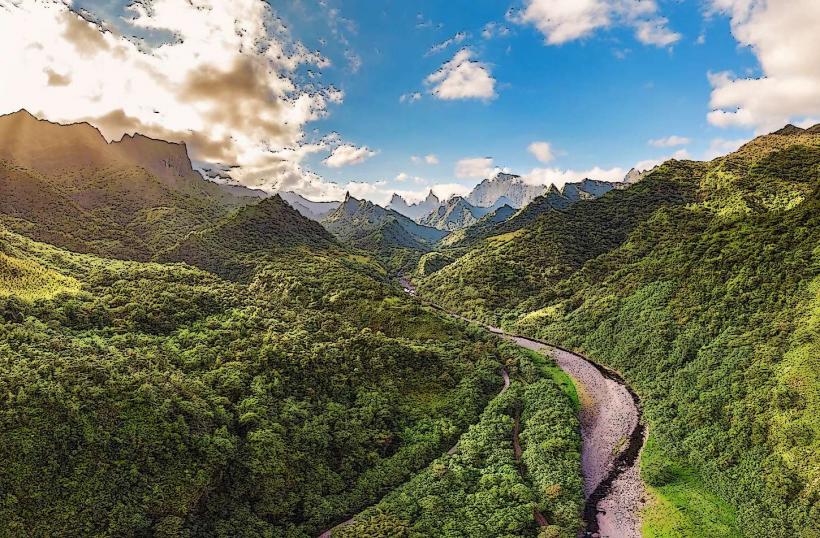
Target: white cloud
(462,78)
(783,36)
(475,168)
(720,146)
(228,83)
(493,29)
(439,47)
(542,151)
(559,177)
(354,61)
(410,97)
(562,21)
(375,192)
(445,191)
(348,155)
(655,32)
(669,141)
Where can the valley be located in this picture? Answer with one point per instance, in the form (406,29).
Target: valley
(214,348)
(340,269)
(612,435)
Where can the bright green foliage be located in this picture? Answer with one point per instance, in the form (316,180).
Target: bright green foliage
(680,505)
(516,268)
(481,490)
(161,399)
(29,280)
(707,304)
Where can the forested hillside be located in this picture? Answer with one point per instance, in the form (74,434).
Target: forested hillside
(395,240)
(160,399)
(65,185)
(272,384)
(700,284)
(502,271)
(484,487)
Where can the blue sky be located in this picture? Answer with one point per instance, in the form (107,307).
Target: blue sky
(327,96)
(597,100)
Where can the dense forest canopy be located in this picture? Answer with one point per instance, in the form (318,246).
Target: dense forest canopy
(700,284)
(240,373)
(181,360)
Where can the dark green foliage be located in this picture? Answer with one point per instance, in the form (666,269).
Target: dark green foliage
(234,246)
(481,490)
(708,305)
(162,399)
(516,268)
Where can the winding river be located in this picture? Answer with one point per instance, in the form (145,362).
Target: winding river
(612,435)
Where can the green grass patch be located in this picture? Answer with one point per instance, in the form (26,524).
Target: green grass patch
(30,280)
(680,505)
(547,368)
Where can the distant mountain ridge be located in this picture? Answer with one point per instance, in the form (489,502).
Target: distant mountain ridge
(398,241)
(457,213)
(355,216)
(308,208)
(586,189)
(415,211)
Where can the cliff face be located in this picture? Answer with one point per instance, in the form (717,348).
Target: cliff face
(415,211)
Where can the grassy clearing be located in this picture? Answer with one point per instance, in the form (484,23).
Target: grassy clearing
(680,506)
(548,368)
(29,280)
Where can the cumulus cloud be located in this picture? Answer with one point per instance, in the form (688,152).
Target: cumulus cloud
(348,155)
(655,32)
(462,78)
(561,21)
(560,177)
(475,168)
(230,81)
(493,29)
(541,151)
(669,141)
(783,36)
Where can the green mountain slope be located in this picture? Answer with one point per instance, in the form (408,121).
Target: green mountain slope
(234,246)
(64,184)
(707,302)
(546,244)
(149,399)
(396,240)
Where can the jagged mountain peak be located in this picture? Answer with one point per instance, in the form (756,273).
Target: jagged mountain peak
(415,211)
(505,176)
(512,187)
